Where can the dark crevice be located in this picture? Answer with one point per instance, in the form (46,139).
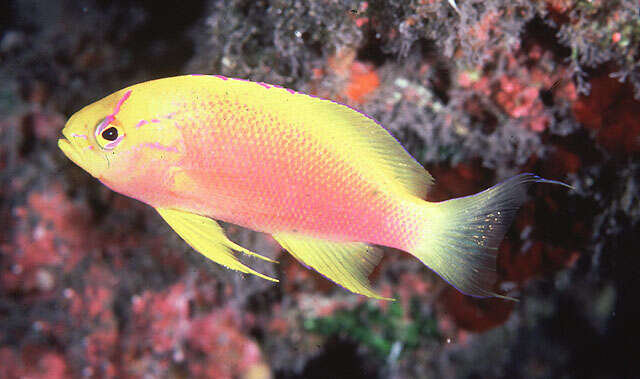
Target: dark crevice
(540,33)
(6,16)
(161,45)
(440,78)
(441,83)
(28,135)
(339,359)
(428,49)
(372,51)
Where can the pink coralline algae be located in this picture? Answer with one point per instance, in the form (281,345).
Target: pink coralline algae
(516,89)
(358,80)
(519,101)
(519,95)
(93,309)
(164,325)
(163,317)
(487,25)
(32,363)
(226,352)
(50,239)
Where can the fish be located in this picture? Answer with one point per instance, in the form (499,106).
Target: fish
(327,182)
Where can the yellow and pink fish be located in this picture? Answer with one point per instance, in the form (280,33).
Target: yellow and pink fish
(326,181)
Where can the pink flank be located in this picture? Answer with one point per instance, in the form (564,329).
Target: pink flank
(261,172)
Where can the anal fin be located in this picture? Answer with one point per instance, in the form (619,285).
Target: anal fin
(346,263)
(207,237)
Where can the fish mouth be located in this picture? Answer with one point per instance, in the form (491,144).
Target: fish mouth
(69,150)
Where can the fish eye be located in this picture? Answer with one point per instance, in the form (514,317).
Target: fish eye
(110,134)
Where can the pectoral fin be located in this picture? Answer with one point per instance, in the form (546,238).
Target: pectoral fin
(346,263)
(207,237)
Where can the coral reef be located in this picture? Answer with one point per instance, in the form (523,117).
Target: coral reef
(94,284)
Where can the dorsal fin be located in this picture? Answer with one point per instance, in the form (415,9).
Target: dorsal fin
(362,138)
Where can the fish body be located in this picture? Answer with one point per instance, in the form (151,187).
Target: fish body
(325,180)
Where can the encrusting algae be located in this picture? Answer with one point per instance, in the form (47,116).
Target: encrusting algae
(326,181)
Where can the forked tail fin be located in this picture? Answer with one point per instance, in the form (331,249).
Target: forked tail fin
(461,236)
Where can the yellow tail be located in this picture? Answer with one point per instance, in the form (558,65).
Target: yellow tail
(461,236)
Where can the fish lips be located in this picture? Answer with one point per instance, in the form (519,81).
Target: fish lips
(71,150)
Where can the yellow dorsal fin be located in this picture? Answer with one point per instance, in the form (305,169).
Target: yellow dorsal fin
(359,138)
(346,263)
(207,237)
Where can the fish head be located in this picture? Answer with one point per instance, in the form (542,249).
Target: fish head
(94,138)
(119,141)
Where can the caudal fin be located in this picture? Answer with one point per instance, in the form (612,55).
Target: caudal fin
(461,236)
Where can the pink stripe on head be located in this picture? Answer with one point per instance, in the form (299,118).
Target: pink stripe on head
(140,123)
(79,135)
(220,77)
(265,85)
(107,120)
(120,102)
